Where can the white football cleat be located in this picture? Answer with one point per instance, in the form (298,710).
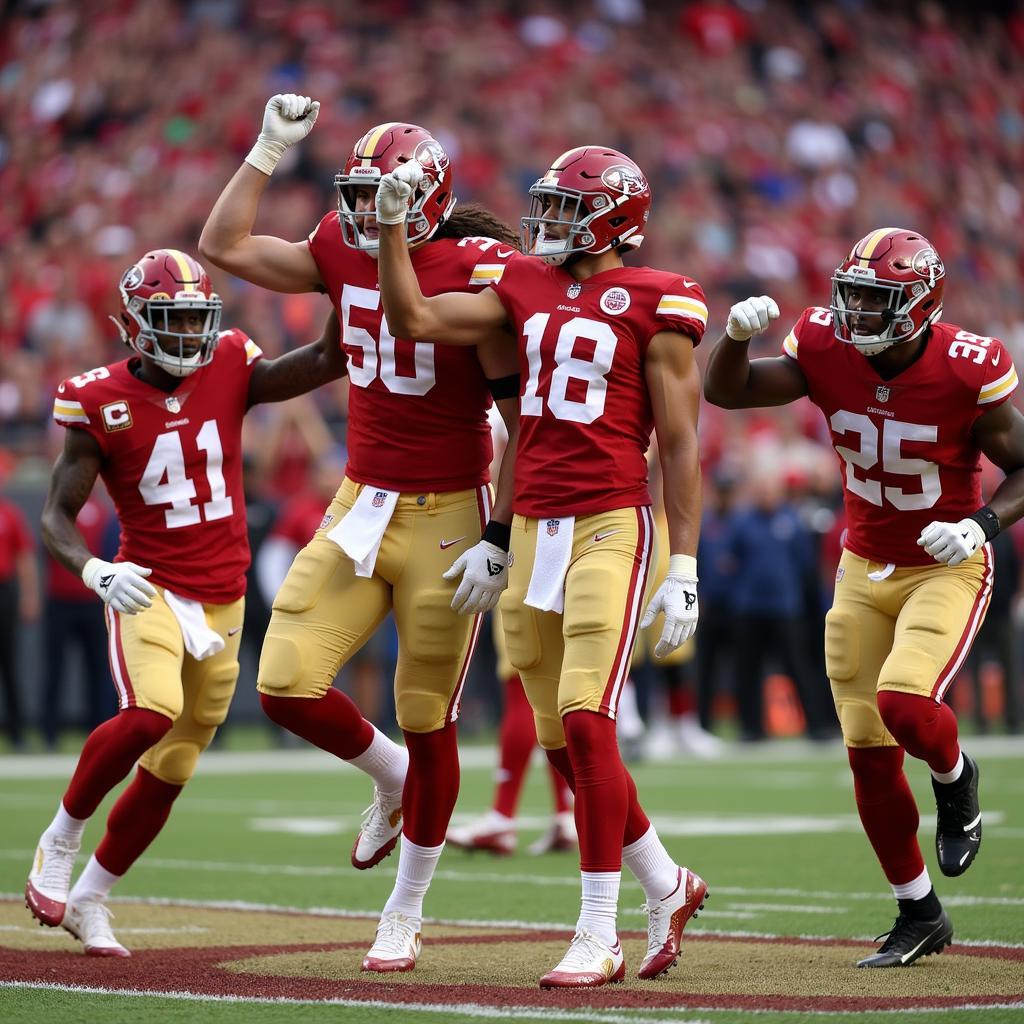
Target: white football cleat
(49,881)
(588,963)
(89,922)
(666,919)
(396,947)
(559,837)
(696,741)
(379,831)
(493,832)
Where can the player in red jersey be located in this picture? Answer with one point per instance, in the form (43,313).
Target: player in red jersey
(606,354)
(415,495)
(163,428)
(912,404)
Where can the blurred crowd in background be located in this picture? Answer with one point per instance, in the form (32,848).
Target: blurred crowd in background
(774,135)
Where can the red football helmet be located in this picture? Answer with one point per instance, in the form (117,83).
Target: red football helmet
(906,266)
(379,151)
(600,193)
(163,282)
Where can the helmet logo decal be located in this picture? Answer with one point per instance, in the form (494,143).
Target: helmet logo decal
(627,180)
(615,301)
(132,278)
(926,264)
(430,154)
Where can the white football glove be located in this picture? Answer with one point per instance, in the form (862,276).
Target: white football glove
(484,570)
(122,585)
(677,598)
(751,316)
(952,543)
(395,190)
(287,119)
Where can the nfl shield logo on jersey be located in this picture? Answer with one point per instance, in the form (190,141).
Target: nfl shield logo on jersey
(553,525)
(172,403)
(882,393)
(573,291)
(378,499)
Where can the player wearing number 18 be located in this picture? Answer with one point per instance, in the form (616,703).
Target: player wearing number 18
(163,429)
(912,404)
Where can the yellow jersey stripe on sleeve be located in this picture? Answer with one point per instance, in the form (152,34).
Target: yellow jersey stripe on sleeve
(66,411)
(487,273)
(997,389)
(252,352)
(790,345)
(683,305)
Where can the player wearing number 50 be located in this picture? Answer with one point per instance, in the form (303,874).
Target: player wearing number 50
(163,429)
(415,500)
(606,355)
(912,404)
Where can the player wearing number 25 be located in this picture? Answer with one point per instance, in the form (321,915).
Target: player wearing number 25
(163,429)
(912,404)
(605,356)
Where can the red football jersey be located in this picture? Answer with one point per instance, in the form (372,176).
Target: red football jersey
(585,416)
(417,411)
(904,444)
(173,466)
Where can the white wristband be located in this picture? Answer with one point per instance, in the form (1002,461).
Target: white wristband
(265,154)
(684,566)
(89,570)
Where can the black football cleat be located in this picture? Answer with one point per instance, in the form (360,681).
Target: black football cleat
(910,940)
(958,822)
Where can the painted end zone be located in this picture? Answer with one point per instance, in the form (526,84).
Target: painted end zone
(270,954)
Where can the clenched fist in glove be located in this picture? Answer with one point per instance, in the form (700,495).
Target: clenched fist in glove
(751,316)
(395,190)
(677,598)
(287,119)
(952,543)
(484,569)
(122,585)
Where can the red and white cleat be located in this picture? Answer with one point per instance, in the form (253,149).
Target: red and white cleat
(396,947)
(89,922)
(666,919)
(588,963)
(560,836)
(493,833)
(49,881)
(379,831)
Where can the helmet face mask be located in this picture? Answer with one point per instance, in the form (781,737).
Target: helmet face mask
(903,268)
(379,151)
(599,195)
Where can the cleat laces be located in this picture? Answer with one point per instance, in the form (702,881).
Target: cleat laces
(395,935)
(376,825)
(584,951)
(94,923)
(58,864)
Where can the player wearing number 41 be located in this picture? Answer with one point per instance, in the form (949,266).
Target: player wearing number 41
(606,354)
(163,429)
(912,404)
(415,494)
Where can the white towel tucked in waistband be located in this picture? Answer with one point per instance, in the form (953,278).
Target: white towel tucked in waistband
(200,641)
(362,528)
(550,562)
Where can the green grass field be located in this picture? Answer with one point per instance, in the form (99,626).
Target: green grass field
(774,832)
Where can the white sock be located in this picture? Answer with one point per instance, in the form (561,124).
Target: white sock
(416,866)
(600,905)
(94,883)
(951,776)
(498,822)
(655,870)
(914,890)
(64,825)
(384,761)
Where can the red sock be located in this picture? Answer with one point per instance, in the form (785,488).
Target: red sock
(637,822)
(108,755)
(331,722)
(517,739)
(887,810)
(135,821)
(602,792)
(926,730)
(431,785)
(680,702)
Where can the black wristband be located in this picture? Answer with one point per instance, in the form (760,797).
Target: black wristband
(498,534)
(503,387)
(987,520)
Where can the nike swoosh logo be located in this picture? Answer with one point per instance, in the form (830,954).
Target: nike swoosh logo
(973,824)
(689,283)
(996,358)
(232,632)
(598,537)
(504,255)
(446,544)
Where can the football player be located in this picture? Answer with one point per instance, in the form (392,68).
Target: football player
(415,494)
(911,404)
(606,354)
(163,428)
